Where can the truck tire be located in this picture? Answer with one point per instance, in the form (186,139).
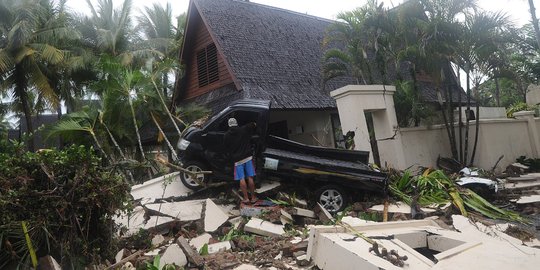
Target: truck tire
(193,166)
(332,198)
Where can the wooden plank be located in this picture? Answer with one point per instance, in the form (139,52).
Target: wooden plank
(190,253)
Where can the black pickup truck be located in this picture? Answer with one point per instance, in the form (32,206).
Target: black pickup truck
(331,173)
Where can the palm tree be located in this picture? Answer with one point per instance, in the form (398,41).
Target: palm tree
(30,32)
(534,21)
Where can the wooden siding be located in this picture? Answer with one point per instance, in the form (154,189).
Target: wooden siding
(201,39)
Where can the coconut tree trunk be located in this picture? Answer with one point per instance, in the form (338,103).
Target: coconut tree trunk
(532,10)
(460,118)
(133,117)
(450,106)
(20,91)
(477,122)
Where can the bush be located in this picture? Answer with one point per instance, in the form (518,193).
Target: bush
(67,200)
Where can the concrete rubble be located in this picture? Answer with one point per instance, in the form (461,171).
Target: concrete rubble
(218,232)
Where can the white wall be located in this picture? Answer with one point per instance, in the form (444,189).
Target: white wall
(314,123)
(508,137)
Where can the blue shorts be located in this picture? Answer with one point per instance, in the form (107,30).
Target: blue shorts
(243,170)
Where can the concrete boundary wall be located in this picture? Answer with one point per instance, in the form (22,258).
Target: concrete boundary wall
(413,147)
(508,137)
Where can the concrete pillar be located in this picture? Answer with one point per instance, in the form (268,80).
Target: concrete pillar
(533,131)
(352,101)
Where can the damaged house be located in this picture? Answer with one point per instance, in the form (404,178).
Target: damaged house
(236,49)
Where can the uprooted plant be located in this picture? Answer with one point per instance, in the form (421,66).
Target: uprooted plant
(434,188)
(64,199)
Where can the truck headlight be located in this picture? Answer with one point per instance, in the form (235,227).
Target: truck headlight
(183,144)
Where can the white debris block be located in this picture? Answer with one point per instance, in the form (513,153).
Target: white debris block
(199,241)
(183,211)
(157,240)
(264,228)
(152,253)
(246,267)
(528,199)
(352,221)
(153,189)
(236,221)
(214,216)
(398,207)
(267,186)
(48,263)
(219,246)
(120,255)
(324,215)
(286,218)
(136,221)
(173,254)
(303,212)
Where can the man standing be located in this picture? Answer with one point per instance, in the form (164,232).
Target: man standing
(238,142)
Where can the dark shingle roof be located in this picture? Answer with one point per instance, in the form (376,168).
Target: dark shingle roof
(274,53)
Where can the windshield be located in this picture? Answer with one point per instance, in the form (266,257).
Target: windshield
(216,116)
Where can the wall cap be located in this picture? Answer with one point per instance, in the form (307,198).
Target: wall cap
(372,89)
(524,114)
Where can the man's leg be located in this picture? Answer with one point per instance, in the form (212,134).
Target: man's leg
(251,185)
(244,189)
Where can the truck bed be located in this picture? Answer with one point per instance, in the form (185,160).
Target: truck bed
(298,162)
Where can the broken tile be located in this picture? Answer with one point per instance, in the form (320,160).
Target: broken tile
(183,211)
(173,254)
(303,212)
(219,246)
(48,263)
(152,252)
(214,216)
(199,241)
(267,186)
(246,267)
(153,189)
(264,228)
(398,207)
(235,222)
(157,240)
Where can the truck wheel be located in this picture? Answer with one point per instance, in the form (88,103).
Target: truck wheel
(187,180)
(332,198)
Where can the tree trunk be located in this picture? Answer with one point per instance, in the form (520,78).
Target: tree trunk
(451,121)
(136,127)
(477,128)
(466,142)
(497,92)
(460,118)
(532,10)
(20,90)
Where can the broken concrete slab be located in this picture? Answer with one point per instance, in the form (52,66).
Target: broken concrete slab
(265,228)
(522,185)
(48,263)
(302,212)
(183,211)
(403,208)
(157,240)
(173,255)
(235,222)
(246,267)
(219,246)
(286,218)
(214,216)
(199,241)
(336,247)
(324,215)
(153,189)
(528,199)
(267,186)
(353,221)
(136,221)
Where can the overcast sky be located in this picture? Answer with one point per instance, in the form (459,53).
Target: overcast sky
(517,9)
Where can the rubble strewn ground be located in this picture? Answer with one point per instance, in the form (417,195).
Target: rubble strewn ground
(220,233)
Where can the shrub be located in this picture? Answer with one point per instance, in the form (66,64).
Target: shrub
(66,198)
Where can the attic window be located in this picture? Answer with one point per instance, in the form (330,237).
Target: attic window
(207,65)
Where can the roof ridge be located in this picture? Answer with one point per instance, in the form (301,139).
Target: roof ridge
(283,9)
